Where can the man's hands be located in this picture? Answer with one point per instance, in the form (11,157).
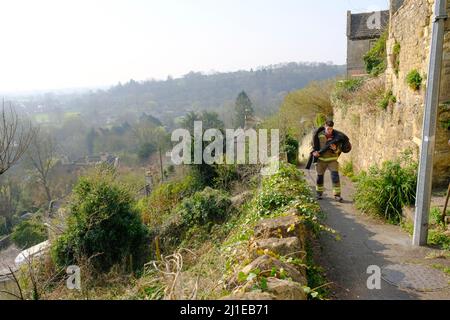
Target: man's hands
(317,154)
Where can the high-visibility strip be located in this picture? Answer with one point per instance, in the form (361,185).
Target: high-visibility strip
(320,188)
(336,189)
(328,159)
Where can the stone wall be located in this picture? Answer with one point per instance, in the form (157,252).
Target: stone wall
(383,135)
(282,236)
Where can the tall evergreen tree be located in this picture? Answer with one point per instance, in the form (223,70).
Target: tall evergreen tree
(243,107)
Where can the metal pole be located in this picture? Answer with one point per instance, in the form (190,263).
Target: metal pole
(423,195)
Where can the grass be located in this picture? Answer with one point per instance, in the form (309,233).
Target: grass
(437,234)
(442,268)
(347,169)
(385,190)
(438,237)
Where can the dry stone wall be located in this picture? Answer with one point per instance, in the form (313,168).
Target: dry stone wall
(282,236)
(383,135)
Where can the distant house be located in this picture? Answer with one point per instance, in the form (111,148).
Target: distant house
(363,30)
(97,159)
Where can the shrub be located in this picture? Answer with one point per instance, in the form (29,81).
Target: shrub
(103,225)
(445,124)
(385,191)
(386,100)
(375,59)
(145,150)
(165,198)
(203,174)
(414,79)
(291,148)
(29,233)
(204,208)
(3,226)
(226,175)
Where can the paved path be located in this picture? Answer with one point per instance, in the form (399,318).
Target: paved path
(366,241)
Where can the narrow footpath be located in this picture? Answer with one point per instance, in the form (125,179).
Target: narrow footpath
(407,271)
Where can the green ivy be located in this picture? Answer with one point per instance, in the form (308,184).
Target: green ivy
(375,58)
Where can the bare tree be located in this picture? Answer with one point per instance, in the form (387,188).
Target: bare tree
(15,137)
(42,157)
(9,192)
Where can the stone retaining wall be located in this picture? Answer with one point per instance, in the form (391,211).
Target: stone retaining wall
(381,136)
(274,238)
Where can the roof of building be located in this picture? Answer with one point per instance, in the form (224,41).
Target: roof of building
(360,28)
(395,5)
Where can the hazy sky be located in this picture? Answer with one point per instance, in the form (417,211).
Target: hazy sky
(50,44)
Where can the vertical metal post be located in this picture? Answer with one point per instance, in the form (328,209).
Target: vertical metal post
(423,195)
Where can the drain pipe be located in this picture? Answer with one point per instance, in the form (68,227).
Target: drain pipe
(424,182)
